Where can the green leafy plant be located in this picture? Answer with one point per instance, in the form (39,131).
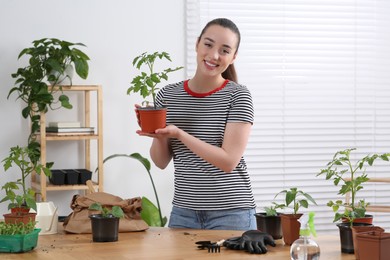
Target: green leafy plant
(146,82)
(20,157)
(150,213)
(294,199)
(48,60)
(350,176)
(106,212)
(271,211)
(16,228)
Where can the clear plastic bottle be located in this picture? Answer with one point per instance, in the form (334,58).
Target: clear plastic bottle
(305,248)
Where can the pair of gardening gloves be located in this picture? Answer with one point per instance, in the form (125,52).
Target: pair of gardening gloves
(253,241)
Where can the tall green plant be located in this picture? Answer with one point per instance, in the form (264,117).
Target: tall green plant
(48,59)
(350,176)
(294,198)
(150,213)
(146,82)
(20,158)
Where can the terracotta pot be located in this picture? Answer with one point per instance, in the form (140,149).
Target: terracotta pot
(152,119)
(17,218)
(20,210)
(290,227)
(362,229)
(269,224)
(367,219)
(374,245)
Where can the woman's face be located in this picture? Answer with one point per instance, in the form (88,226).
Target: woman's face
(216,50)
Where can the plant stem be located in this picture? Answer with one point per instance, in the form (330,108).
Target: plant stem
(23,174)
(352,183)
(155,194)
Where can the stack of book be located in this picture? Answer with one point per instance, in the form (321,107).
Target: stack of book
(68,128)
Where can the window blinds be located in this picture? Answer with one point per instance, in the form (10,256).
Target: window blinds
(319,74)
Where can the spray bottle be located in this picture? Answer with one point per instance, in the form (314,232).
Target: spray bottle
(304,248)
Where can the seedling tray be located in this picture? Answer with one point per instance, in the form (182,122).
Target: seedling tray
(19,243)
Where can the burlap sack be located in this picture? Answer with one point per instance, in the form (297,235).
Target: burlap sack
(78,221)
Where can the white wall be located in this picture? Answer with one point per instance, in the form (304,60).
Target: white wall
(115,31)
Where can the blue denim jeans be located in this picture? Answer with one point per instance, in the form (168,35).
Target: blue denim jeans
(232,219)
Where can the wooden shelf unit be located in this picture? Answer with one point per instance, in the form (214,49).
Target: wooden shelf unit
(40,182)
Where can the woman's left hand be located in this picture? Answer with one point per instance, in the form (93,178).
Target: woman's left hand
(170,131)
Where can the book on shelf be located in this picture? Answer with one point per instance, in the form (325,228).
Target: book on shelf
(89,130)
(64,124)
(69,134)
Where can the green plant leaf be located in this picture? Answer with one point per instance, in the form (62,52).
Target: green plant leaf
(82,68)
(96,206)
(150,213)
(117,212)
(304,203)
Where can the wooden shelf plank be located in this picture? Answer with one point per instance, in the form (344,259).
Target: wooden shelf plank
(51,187)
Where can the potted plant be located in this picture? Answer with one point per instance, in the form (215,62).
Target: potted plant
(151,117)
(150,213)
(49,59)
(293,198)
(373,245)
(105,225)
(361,230)
(18,237)
(350,176)
(269,222)
(20,204)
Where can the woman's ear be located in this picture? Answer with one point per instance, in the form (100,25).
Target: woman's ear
(234,58)
(197,43)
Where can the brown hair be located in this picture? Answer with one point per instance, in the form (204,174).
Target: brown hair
(230,72)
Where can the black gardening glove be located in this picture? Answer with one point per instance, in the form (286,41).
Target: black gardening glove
(233,243)
(255,241)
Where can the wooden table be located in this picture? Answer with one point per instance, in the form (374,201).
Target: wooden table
(160,243)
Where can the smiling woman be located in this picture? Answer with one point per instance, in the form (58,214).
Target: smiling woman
(209,118)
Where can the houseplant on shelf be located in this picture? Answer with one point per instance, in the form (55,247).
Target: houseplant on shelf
(293,198)
(49,59)
(150,213)
(105,225)
(151,117)
(269,222)
(350,176)
(20,204)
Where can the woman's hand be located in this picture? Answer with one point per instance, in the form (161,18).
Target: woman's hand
(170,131)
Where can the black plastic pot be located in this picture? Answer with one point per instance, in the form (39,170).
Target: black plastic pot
(72,177)
(57,177)
(84,175)
(346,238)
(269,224)
(104,229)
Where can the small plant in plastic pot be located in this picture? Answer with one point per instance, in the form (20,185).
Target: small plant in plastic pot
(105,225)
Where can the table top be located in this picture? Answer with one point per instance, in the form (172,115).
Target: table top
(161,243)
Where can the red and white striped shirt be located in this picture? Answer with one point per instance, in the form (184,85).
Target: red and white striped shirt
(198,184)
